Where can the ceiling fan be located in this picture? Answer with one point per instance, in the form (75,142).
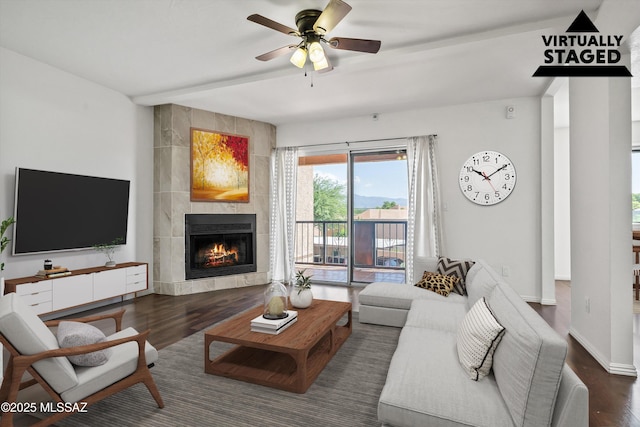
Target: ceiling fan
(313,25)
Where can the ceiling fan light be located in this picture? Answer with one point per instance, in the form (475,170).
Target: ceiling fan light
(321,65)
(316,53)
(299,57)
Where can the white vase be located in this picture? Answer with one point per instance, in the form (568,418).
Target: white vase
(301,299)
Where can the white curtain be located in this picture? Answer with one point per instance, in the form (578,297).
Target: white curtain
(284,165)
(424,226)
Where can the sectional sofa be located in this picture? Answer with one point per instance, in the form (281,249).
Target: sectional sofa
(528,384)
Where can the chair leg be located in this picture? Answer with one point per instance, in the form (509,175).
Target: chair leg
(153,389)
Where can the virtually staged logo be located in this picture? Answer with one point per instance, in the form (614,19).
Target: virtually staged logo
(582,55)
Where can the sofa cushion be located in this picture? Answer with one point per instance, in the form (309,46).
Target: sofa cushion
(436,314)
(399,295)
(478,336)
(122,363)
(457,268)
(528,363)
(422,264)
(74,334)
(29,335)
(481,280)
(426,386)
(438,283)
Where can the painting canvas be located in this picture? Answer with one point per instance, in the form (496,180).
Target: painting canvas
(219,166)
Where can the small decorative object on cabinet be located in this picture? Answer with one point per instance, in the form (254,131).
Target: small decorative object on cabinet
(301,295)
(275,301)
(109,249)
(4,241)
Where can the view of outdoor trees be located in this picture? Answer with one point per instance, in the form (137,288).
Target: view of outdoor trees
(635,206)
(329,199)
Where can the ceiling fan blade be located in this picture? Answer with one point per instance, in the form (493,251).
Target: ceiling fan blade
(259,19)
(360,45)
(275,53)
(331,16)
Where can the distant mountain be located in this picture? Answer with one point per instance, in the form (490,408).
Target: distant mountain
(375,202)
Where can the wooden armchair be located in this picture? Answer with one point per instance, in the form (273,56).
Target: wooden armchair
(34,348)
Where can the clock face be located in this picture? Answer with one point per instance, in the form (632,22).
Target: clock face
(487,178)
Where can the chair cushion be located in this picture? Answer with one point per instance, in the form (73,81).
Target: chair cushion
(74,334)
(29,335)
(122,363)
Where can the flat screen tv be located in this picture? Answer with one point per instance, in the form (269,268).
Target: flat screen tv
(60,211)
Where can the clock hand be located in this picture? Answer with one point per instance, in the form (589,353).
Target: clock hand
(488,179)
(479,173)
(498,170)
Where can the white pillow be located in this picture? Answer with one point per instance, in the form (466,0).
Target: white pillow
(478,336)
(74,334)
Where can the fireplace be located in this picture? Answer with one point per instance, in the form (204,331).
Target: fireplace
(219,244)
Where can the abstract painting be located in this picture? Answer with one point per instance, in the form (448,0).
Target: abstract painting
(219,166)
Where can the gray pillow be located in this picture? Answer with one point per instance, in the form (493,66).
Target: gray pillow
(73,334)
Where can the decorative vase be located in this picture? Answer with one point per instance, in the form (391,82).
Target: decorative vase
(110,264)
(275,301)
(301,298)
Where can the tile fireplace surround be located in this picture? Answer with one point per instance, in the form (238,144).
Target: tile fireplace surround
(171,197)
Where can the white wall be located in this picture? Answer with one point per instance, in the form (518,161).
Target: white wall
(55,121)
(562,211)
(507,234)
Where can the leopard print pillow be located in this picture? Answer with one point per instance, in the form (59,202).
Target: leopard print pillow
(438,283)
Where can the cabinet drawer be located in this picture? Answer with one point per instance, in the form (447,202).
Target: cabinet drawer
(37,298)
(43,307)
(33,288)
(136,274)
(137,286)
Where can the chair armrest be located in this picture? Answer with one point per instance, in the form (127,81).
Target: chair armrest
(25,361)
(117,317)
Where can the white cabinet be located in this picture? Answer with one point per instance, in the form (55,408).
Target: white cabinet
(82,287)
(72,290)
(109,283)
(37,295)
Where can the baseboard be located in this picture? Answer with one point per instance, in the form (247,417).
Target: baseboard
(565,278)
(548,301)
(610,367)
(528,298)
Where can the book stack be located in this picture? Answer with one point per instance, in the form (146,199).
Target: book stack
(273,327)
(56,271)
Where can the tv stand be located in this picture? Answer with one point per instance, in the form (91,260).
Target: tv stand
(83,286)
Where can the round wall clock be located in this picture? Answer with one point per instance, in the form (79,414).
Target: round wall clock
(487,178)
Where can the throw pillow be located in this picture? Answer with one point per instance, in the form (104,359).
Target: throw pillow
(74,334)
(478,336)
(458,268)
(437,283)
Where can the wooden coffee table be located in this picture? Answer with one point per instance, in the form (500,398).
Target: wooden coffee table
(289,361)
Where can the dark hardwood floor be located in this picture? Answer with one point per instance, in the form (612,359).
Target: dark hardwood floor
(613,400)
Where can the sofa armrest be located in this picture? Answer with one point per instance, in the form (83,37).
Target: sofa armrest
(572,403)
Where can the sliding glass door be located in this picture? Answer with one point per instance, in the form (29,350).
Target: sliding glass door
(379,216)
(351,217)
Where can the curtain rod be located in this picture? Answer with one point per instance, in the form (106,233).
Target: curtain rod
(354,142)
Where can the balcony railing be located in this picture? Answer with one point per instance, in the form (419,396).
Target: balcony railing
(379,244)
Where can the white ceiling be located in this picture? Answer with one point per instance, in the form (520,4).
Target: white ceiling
(201,53)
